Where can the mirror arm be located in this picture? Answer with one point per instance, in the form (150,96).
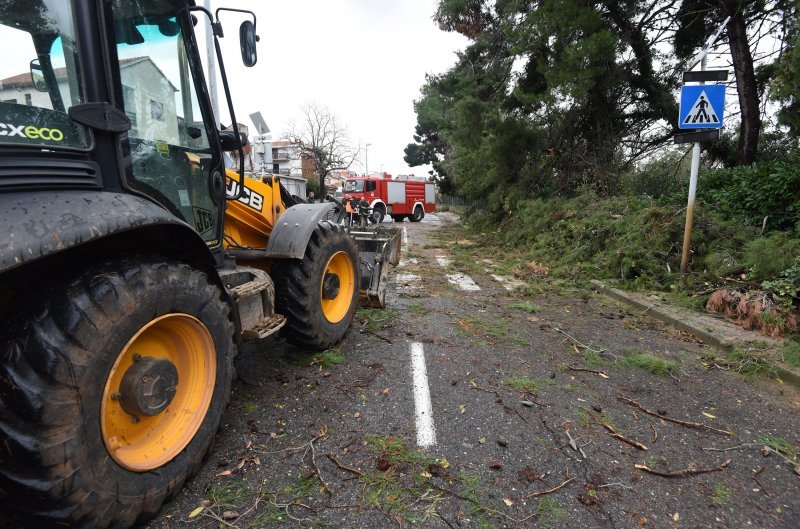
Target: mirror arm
(234,123)
(218,33)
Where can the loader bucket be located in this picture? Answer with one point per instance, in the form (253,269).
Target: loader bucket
(378,248)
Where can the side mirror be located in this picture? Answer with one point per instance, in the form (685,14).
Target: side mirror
(227,140)
(37,76)
(247,41)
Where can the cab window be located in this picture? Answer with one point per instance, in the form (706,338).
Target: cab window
(171,156)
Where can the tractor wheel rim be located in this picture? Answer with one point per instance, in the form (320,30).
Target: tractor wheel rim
(143,443)
(336,308)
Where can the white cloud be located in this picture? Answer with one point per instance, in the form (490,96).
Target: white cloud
(365,60)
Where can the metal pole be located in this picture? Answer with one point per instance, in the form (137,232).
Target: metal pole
(687,231)
(212,67)
(366,163)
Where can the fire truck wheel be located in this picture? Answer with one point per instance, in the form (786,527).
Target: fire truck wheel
(113,386)
(319,294)
(378,212)
(418,214)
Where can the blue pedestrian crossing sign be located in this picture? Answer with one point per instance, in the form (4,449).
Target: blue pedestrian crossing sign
(702,106)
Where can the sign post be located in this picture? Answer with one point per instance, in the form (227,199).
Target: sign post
(698,116)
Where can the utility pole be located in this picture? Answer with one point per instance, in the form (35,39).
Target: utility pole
(366,163)
(695,169)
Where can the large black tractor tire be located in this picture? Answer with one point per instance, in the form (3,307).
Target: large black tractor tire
(58,356)
(318,306)
(418,214)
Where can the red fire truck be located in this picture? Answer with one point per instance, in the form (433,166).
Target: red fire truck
(398,198)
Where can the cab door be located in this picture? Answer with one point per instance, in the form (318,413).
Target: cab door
(174,150)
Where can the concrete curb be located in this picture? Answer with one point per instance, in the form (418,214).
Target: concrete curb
(672,316)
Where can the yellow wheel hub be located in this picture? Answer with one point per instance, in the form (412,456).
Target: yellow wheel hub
(337,287)
(158,392)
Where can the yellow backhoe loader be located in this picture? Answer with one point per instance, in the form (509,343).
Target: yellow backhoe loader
(131,265)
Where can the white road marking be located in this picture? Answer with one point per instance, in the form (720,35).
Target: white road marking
(462,281)
(403,262)
(508,282)
(443,261)
(423,410)
(406,282)
(405,236)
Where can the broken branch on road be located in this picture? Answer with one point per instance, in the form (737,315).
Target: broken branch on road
(345,467)
(579,343)
(687,424)
(620,437)
(548,491)
(596,372)
(685,472)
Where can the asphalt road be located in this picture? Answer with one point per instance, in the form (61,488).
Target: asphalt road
(469,405)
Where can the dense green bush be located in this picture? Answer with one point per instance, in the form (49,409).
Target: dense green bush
(767,189)
(630,238)
(767,257)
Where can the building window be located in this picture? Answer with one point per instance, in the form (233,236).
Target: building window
(28,100)
(157,111)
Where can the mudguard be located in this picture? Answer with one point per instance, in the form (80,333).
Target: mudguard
(293,230)
(38,224)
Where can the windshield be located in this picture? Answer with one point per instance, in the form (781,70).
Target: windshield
(354,186)
(41,78)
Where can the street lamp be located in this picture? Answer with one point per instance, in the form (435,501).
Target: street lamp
(367,161)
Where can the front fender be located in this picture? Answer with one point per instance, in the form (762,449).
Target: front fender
(293,230)
(42,223)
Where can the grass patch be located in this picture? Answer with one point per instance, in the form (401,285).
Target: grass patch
(583,415)
(228,496)
(374,320)
(722,495)
(549,512)
(303,487)
(646,361)
(395,451)
(250,406)
(780,445)
(483,327)
(526,306)
(326,359)
(521,384)
(417,308)
(749,362)
(593,359)
(791,353)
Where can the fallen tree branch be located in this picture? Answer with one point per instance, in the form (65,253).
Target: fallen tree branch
(376,335)
(620,437)
(685,472)
(754,477)
(578,343)
(687,424)
(548,491)
(712,449)
(596,372)
(322,434)
(345,467)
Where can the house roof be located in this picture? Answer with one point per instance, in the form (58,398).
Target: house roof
(283,143)
(23,80)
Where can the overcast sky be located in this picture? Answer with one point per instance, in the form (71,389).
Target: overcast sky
(364,59)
